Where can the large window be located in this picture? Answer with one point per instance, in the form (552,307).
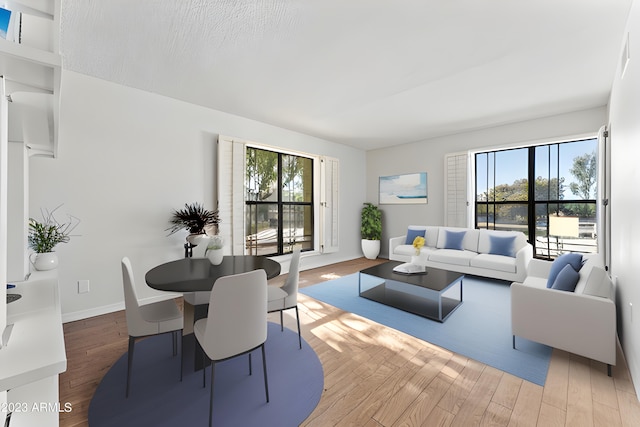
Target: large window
(279,202)
(546,191)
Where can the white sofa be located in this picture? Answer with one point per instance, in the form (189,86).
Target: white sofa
(475,257)
(582,322)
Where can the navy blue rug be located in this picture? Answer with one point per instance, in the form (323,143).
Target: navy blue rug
(480,328)
(157,397)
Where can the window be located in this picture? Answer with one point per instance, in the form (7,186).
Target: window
(279,204)
(546,191)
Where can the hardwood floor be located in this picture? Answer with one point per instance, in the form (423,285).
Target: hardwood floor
(376,376)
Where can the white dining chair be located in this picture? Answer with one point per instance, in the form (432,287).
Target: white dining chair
(236,323)
(148,319)
(285,297)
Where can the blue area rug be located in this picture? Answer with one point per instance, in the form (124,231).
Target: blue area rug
(157,397)
(480,328)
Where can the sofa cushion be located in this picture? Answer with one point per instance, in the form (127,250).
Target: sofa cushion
(502,245)
(485,235)
(431,238)
(572,259)
(409,250)
(412,233)
(469,243)
(598,284)
(454,239)
(494,262)
(567,279)
(452,256)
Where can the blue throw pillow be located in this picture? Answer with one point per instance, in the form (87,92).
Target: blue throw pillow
(412,234)
(566,280)
(454,239)
(502,245)
(572,259)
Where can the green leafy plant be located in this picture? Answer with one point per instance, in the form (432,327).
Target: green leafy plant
(45,235)
(194,218)
(371,224)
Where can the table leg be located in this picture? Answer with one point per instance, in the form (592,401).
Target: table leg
(191,314)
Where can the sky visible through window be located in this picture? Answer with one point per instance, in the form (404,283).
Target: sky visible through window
(511,165)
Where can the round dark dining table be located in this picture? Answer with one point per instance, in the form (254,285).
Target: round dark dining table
(198,274)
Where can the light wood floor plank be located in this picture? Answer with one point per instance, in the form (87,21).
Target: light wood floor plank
(379,377)
(579,402)
(557,383)
(507,391)
(527,408)
(422,406)
(474,408)
(551,416)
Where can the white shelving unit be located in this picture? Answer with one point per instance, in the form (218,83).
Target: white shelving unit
(30,65)
(30,70)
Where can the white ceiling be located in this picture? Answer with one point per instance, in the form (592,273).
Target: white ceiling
(367,73)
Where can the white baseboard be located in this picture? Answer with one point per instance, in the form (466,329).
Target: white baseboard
(106,309)
(97,311)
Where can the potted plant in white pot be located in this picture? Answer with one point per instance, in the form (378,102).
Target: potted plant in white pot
(215,250)
(43,238)
(371,230)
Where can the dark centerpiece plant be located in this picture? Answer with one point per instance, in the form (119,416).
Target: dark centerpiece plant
(194,218)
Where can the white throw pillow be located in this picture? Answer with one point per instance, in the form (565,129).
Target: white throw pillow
(598,283)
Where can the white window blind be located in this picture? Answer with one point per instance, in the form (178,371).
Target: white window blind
(456,204)
(231,169)
(329,169)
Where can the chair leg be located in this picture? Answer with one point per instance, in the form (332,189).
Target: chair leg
(132,342)
(514,341)
(264,368)
(213,370)
(281,321)
(204,369)
(181,353)
(608,369)
(174,344)
(298,320)
(250,370)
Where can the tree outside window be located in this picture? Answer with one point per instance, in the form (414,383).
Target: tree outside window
(278,202)
(520,189)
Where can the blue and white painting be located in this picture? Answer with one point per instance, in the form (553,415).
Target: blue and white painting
(409,188)
(5,15)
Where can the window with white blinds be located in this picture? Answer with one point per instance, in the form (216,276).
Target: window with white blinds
(232,166)
(456,206)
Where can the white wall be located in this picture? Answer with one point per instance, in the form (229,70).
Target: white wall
(428,156)
(126,159)
(624,112)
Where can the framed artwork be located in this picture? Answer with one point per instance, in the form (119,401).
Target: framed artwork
(5,17)
(404,189)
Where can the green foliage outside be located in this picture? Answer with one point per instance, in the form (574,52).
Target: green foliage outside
(261,172)
(584,188)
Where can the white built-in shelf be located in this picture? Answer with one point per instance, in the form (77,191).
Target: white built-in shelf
(30,62)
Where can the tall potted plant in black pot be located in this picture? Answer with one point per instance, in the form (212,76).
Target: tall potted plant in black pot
(371,230)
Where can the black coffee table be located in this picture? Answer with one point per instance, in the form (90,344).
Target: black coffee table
(431,294)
